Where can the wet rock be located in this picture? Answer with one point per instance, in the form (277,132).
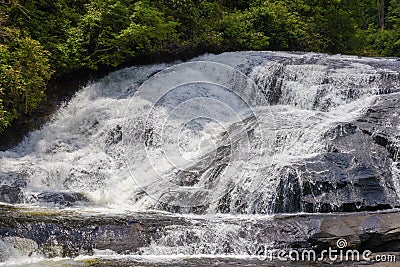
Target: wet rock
(61,198)
(114,136)
(21,183)
(10,194)
(356,172)
(14,179)
(68,234)
(382,121)
(372,231)
(61,233)
(288,194)
(188,178)
(148,137)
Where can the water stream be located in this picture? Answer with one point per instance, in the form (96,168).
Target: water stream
(238,135)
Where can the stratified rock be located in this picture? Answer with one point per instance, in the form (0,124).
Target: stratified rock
(68,234)
(382,122)
(358,171)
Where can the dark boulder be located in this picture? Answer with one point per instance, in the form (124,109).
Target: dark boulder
(61,198)
(10,194)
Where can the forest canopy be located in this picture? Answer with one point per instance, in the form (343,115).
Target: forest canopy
(40,40)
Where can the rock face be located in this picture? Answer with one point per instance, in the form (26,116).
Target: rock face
(10,194)
(366,231)
(63,199)
(359,171)
(15,195)
(65,233)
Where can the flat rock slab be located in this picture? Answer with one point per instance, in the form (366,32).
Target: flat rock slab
(69,233)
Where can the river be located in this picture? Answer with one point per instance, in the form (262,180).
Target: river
(202,156)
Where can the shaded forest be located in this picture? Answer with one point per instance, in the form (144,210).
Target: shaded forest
(42,40)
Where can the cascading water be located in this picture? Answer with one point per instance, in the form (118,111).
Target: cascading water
(237,133)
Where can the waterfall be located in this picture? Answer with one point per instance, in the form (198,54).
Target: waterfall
(243,132)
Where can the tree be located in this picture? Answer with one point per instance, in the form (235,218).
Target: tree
(238,33)
(113,32)
(24,72)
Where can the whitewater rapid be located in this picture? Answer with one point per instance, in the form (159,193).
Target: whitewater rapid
(210,135)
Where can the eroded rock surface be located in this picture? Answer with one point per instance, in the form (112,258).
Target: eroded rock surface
(68,234)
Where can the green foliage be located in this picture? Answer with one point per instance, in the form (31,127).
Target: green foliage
(51,23)
(238,33)
(285,28)
(198,22)
(115,33)
(383,43)
(394,14)
(91,34)
(96,33)
(237,4)
(24,72)
(334,21)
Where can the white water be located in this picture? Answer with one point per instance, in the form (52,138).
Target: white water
(209,136)
(194,132)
